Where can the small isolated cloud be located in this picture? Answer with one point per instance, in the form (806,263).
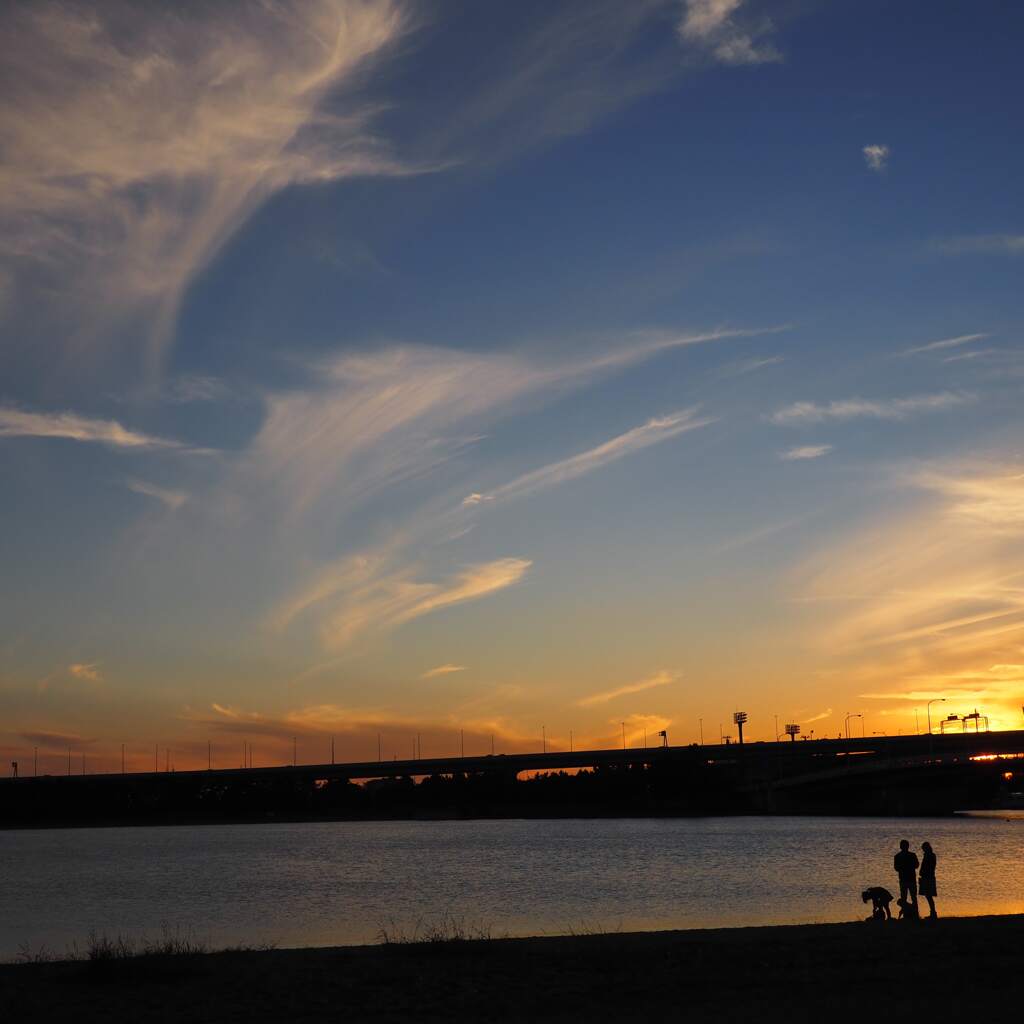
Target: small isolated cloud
(652,432)
(864,408)
(965,245)
(662,678)
(806,451)
(89,672)
(945,343)
(876,156)
(18,423)
(718,26)
(442,670)
(827,713)
(172,499)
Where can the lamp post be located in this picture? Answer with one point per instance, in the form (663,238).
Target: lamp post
(847,722)
(739,720)
(934,700)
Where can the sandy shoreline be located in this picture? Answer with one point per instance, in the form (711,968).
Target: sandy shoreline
(799,972)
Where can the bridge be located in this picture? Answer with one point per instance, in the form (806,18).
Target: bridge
(876,774)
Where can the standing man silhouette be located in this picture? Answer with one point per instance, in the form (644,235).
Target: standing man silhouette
(905,862)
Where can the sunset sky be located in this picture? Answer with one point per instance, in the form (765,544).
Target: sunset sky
(381,368)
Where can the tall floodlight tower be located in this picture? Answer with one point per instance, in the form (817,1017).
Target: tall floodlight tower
(740,718)
(792,731)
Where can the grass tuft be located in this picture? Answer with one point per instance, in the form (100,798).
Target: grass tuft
(102,948)
(448,929)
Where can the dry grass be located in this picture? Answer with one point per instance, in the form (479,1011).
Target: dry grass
(448,928)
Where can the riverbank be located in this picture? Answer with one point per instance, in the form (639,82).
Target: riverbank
(939,969)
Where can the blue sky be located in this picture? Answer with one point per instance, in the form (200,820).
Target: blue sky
(369,367)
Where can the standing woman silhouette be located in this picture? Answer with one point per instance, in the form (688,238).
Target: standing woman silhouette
(927,887)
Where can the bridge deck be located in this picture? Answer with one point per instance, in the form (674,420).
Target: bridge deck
(801,756)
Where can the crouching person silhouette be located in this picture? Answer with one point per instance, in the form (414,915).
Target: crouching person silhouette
(880,899)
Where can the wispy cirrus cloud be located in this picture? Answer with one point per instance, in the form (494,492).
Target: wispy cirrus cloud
(721,28)
(654,431)
(379,418)
(876,156)
(806,451)
(660,678)
(926,601)
(137,139)
(442,670)
(70,426)
(172,499)
(820,717)
(967,245)
(944,344)
(370,422)
(867,408)
(362,594)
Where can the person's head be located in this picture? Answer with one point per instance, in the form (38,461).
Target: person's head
(904,845)
(865,895)
(926,846)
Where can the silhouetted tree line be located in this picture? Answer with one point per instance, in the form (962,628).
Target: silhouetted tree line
(195,797)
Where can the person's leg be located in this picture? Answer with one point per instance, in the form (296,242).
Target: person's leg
(913,894)
(931,906)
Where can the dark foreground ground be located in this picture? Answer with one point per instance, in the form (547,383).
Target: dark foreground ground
(953,969)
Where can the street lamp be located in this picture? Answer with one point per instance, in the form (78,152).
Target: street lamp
(934,700)
(740,718)
(847,722)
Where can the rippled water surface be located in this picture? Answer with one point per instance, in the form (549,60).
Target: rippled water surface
(337,883)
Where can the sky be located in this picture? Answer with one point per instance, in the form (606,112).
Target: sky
(534,372)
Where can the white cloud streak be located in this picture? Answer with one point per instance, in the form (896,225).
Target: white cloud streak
(370,422)
(876,156)
(806,451)
(137,139)
(966,245)
(827,713)
(172,499)
(945,343)
(442,670)
(799,413)
(361,594)
(377,419)
(67,425)
(654,431)
(714,26)
(661,678)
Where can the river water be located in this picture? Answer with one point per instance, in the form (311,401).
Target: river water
(343,882)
